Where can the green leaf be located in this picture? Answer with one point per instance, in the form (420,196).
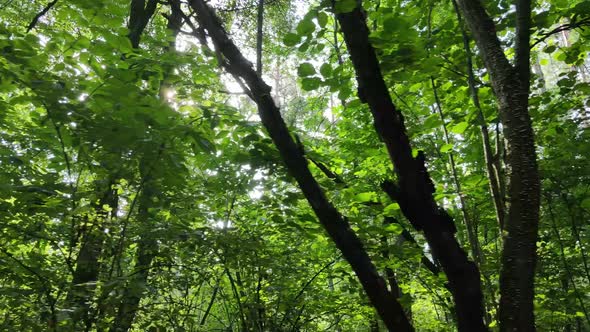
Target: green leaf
(549,49)
(366,197)
(460,127)
(291,39)
(310,83)
(446,148)
(305,69)
(586,203)
(344,6)
(322,19)
(326,70)
(391,209)
(305,27)
(416,87)
(396,229)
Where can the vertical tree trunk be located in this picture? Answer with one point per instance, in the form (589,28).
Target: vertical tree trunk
(87,269)
(259,37)
(148,245)
(146,252)
(140,14)
(469,226)
(492,170)
(511,86)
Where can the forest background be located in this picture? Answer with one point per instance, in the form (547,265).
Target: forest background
(287,165)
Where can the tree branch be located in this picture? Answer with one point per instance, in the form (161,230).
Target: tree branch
(47,8)
(564,27)
(522,62)
(336,225)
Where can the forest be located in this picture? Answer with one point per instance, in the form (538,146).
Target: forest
(294,165)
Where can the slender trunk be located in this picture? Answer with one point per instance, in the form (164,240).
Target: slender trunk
(210,305)
(146,252)
(469,226)
(259,37)
(511,85)
(238,297)
(394,287)
(292,154)
(87,270)
(566,266)
(414,189)
(140,14)
(576,234)
(491,170)
(148,245)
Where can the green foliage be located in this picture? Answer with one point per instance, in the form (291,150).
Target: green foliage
(197,181)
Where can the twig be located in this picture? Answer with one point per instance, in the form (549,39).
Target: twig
(33,23)
(565,27)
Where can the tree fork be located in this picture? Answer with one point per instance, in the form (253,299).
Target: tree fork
(414,189)
(511,84)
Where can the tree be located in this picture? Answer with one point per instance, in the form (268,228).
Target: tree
(153,180)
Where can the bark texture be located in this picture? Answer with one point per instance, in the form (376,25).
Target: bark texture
(511,84)
(414,189)
(333,222)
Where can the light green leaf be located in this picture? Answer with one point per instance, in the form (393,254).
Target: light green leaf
(366,197)
(391,209)
(446,148)
(460,128)
(396,229)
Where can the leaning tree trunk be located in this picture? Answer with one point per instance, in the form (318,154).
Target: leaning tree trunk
(414,189)
(511,84)
(334,223)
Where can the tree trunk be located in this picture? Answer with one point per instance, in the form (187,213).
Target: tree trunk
(259,37)
(333,222)
(414,189)
(88,264)
(469,224)
(146,252)
(492,171)
(140,14)
(148,246)
(511,86)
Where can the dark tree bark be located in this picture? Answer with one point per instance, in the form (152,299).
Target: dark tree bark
(511,84)
(414,189)
(139,15)
(492,166)
(333,222)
